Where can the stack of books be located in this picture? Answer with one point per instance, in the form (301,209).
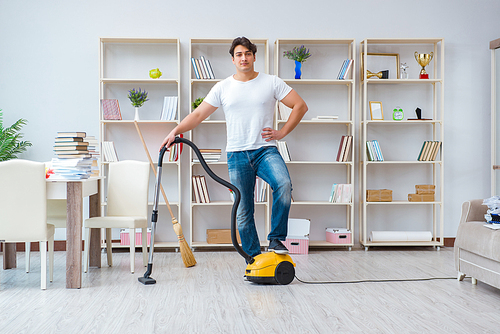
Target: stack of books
(74,161)
(69,145)
(175,152)
(260,190)
(344,69)
(344,148)
(429,151)
(373,151)
(283,149)
(202,68)
(93,143)
(325,118)
(200,189)
(169,110)
(71,169)
(209,154)
(341,193)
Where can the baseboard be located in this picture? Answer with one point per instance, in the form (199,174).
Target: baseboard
(60,245)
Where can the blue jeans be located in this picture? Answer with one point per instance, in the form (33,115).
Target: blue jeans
(266,163)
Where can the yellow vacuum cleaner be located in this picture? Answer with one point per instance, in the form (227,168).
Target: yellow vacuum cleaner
(265,268)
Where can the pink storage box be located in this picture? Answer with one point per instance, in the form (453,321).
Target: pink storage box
(125,237)
(338,236)
(297,240)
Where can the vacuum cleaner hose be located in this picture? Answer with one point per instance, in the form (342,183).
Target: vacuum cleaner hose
(236,192)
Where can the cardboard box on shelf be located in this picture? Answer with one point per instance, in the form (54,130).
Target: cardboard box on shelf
(379,195)
(429,197)
(425,189)
(221,236)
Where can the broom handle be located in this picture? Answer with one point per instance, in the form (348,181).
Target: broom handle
(153,167)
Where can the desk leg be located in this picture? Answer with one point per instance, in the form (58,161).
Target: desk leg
(9,255)
(95,233)
(74,210)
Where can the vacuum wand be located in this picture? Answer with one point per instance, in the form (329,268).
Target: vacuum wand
(236,192)
(147,279)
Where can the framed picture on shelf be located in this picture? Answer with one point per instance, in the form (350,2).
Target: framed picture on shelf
(377,62)
(376,111)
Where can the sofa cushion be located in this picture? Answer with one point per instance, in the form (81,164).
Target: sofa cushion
(476,238)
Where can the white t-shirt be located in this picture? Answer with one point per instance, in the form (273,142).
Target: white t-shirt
(249,108)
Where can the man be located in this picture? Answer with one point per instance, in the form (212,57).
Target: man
(248,99)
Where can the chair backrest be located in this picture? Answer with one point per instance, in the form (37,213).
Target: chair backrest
(23,200)
(128,184)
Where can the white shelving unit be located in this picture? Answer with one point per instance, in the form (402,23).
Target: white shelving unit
(401,140)
(212,134)
(313,173)
(124,64)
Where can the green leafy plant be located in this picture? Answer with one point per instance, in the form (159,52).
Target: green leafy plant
(298,54)
(197,102)
(137,97)
(10,140)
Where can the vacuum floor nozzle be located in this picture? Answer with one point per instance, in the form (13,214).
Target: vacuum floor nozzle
(147,280)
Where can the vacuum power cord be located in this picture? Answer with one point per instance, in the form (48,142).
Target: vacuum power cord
(375,280)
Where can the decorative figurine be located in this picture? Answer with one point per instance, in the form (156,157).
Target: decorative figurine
(381,75)
(403,74)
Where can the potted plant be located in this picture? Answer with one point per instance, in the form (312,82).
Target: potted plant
(196,104)
(299,55)
(10,140)
(137,98)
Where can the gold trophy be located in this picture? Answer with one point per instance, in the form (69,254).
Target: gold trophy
(423,59)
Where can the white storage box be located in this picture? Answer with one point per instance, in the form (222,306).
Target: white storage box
(297,240)
(125,237)
(338,236)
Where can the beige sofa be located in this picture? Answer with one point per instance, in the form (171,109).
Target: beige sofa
(477,248)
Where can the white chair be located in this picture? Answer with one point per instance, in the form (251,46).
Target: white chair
(127,207)
(56,215)
(23,209)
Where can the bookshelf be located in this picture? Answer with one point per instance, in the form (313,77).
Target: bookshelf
(401,140)
(211,134)
(124,64)
(314,174)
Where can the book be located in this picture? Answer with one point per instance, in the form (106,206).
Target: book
(339,76)
(195,69)
(196,194)
(348,145)
(341,148)
(204,188)
(111,109)
(210,69)
(68,139)
(70,148)
(347,68)
(325,118)
(169,109)
(71,143)
(283,149)
(206,67)
(72,134)
(378,150)
(108,148)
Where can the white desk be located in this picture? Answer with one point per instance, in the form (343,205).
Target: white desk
(74,192)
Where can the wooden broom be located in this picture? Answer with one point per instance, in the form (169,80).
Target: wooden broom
(186,253)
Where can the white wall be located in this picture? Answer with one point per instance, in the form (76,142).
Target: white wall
(49,60)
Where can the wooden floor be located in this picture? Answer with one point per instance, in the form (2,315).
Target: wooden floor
(212,297)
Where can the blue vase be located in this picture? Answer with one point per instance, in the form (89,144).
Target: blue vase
(298,67)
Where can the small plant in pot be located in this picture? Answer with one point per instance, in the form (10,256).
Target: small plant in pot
(137,98)
(299,55)
(197,103)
